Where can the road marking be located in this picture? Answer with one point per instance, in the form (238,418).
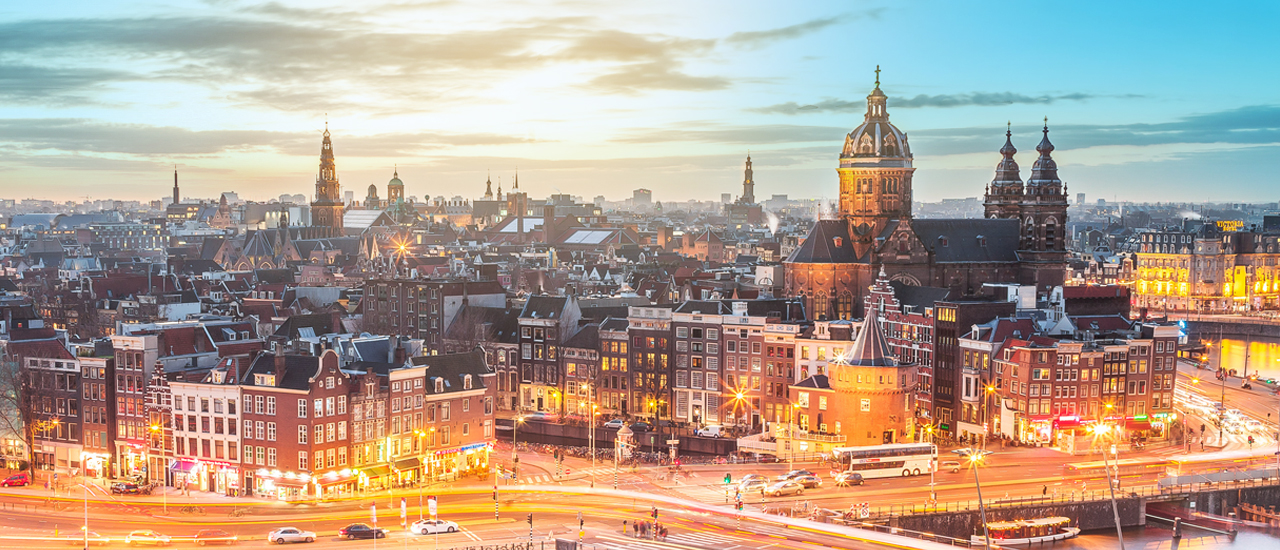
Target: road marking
(470,534)
(701,538)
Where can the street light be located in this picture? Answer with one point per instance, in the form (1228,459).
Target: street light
(1104,430)
(515,460)
(975,457)
(791,436)
(986,413)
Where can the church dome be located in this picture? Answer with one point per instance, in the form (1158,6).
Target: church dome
(876,137)
(395,180)
(373,190)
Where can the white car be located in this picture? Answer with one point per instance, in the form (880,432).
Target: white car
(615,424)
(432,526)
(146,536)
(290,534)
(710,431)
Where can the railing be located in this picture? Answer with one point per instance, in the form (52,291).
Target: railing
(1103,494)
(929,537)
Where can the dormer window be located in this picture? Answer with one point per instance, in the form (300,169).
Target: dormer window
(942,240)
(466,382)
(439,385)
(838,241)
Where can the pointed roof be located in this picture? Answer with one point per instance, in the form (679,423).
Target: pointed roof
(1008,175)
(1045,170)
(870,348)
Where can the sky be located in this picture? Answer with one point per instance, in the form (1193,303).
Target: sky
(1170,101)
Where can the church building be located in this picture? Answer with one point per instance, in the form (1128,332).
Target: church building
(1020,241)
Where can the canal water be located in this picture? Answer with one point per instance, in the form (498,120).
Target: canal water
(1156,537)
(1263,355)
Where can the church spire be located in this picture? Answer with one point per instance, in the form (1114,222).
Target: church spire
(1044,174)
(488,186)
(748,184)
(1008,177)
(176,195)
(876,102)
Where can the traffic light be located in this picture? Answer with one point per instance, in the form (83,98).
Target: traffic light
(655,512)
(530,520)
(728,478)
(739,506)
(495,492)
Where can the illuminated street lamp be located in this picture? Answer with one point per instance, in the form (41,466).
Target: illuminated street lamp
(1101,431)
(515,460)
(974,457)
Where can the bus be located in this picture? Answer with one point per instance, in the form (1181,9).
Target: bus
(890,460)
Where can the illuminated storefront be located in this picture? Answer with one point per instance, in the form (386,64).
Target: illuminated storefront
(450,464)
(95,464)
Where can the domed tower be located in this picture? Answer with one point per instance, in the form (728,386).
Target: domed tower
(1004,193)
(327,208)
(875,174)
(395,188)
(1044,219)
(371,200)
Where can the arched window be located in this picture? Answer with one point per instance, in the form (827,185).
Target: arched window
(821,305)
(890,148)
(844,306)
(865,146)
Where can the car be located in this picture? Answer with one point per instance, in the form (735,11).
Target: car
(16,480)
(639,427)
(290,534)
(784,488)
(95,539)
(615,424)
(431,526)
(362,531)
(847,479)
(146,536)
(793,474)
(950,466)
(749,477)
(214,536)
(710,431)
(753,485)
(125,488)
(809,481)
(766,459)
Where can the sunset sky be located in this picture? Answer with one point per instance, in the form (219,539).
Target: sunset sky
(1146,101)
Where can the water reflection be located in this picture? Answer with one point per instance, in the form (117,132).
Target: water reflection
(1263,356)
(1155,537)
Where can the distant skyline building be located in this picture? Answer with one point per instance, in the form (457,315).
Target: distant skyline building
(327,209)
(642,196)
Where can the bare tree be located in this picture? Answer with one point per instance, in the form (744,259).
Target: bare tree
(22,393)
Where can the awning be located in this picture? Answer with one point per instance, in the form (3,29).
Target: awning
(377,471)
(1137,425)
(408,463)
(183,466)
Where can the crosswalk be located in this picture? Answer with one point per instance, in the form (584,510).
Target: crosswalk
(536,480)
(704,539)
(699,540)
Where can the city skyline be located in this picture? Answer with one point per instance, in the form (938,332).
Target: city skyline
(235,94)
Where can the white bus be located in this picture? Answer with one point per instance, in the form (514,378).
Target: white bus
(891,460)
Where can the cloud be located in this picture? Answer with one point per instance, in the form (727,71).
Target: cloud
(708,132)
(54,85)
(654,76)
(759,38)
(979,99)
(92,136)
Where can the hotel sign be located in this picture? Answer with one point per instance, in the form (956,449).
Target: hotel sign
(1230,225)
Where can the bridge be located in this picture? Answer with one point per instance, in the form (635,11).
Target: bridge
(1211,327)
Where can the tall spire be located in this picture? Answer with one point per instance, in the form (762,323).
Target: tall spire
(1008,175)
(748,184)
(177,198)
(876,102)
(517,183)
(1045,171)
(488,186)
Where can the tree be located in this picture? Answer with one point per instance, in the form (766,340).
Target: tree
(21,394)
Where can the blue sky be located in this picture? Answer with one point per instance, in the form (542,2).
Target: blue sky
(1170,101)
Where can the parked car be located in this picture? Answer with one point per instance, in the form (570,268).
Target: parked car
(146,536)
(126,488)
(77,539)
(793,474)
(784,488)
(753,485)
(616,424)
(640,427)
(432,526)
(290,534)
(362,531)
(710,431)
(847,479)
(214,536)
(16,480)
(809,481)
(950,466)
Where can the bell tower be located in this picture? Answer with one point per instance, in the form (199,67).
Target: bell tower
(327,208)
(1043,215)
(1004,193)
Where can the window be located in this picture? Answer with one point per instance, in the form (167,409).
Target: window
(271,455)
(302,435)
(342,456)
(302,408)
(271,405)
(319,433)
(303,464)
(342,404)
(319,407)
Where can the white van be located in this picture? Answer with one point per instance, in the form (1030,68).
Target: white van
(710,431)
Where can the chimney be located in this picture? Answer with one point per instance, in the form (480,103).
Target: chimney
(279,364)
(399,357)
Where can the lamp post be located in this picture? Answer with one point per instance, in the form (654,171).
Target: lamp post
(1106,430)
(975,456)
(164,450)
(987,423)
(791,437)
(515,460)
